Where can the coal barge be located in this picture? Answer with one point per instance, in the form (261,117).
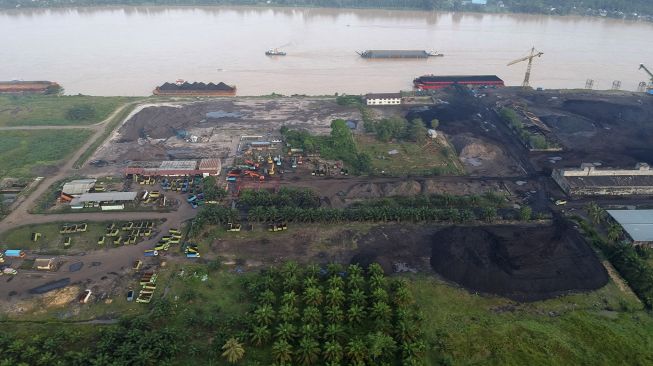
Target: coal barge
(195,89)
(431,82)
(398,54)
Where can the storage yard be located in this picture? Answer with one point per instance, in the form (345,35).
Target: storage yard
(163,200)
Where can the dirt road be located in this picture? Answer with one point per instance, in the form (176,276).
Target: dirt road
(20,214)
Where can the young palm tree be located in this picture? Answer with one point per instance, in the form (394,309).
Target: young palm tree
(311,315)
(357,297)
(233,350)
(375,269)
(264,314)
(380,346)
(379,294)
(402,295)
(354,269)
(406,330)
(310,330)
(377,281)
(288,313)
(286,331)
(334,314)
(336,282)
(355,281)
(615,232)
(260,335)
(333,331)
(356,314)
(308,351)
(381,311)
(267,297)
(289,297)
(595,213)
(310,282)
(334,269)
(313,296)
(282,351)
(332,351)
(335,296)
(357,351)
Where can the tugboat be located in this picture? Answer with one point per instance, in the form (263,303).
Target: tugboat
(274,52)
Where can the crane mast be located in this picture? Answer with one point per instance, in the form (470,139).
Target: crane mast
(649,89)
(528,58)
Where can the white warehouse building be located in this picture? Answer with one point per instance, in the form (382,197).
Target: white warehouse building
(383,99)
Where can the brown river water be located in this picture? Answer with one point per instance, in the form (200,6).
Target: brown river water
(130,50)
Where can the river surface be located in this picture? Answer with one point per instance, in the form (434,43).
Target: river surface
(130,50)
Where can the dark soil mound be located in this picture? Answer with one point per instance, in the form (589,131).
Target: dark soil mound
(524,264)
(607,113)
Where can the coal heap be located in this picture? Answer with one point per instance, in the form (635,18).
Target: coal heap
(523,264)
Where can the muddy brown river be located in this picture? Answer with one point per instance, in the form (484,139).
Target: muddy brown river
(128,51)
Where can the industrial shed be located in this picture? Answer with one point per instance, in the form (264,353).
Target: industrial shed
(637,224)
(114,200)
(78,187)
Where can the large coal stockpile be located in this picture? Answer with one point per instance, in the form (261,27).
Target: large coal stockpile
(521,263)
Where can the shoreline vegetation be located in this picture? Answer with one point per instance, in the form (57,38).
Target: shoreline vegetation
(641,10)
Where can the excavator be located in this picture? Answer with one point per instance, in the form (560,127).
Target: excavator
(649,89)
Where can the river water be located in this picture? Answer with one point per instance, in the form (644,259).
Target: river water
(128,51)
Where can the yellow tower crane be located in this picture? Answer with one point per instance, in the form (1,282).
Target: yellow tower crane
(528,58)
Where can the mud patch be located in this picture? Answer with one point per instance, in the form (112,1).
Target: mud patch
(521,263)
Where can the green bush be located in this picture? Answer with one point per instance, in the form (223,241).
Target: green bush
(82,112)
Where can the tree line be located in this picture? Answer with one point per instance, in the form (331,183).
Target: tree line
(631,261)
(558,7)
(133,341)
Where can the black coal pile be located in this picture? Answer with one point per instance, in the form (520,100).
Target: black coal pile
(521,263)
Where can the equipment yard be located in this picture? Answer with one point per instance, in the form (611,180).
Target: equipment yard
(476,195)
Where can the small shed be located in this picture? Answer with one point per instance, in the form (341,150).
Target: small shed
(432,133)
(44,264)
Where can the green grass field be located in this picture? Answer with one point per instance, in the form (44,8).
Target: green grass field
(603,327)
(23,151)
(435,157)
(49,110)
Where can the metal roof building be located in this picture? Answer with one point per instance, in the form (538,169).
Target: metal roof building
(79,186)
(105,197)
(638,224)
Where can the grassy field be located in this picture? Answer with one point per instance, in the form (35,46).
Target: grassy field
(23,151)
(604,327)
(436,157)
(48,110)
(51,241)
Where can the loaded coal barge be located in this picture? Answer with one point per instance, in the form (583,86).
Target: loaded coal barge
(431,82)
(398,54)
(195,89)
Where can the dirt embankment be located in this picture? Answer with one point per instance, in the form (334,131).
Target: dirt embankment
(524,264)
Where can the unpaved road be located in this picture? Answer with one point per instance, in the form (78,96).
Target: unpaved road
(20,215)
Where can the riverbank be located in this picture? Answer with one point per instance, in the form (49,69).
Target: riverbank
(629,11)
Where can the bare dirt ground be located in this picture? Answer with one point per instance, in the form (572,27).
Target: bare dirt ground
(154,132)
(339,192)
(475,137)
(522,262)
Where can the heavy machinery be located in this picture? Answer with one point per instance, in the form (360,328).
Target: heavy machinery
(528,58)
(649,89)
